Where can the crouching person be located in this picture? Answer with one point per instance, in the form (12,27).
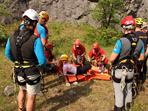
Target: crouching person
(26,51)
(127,50)
(68,68)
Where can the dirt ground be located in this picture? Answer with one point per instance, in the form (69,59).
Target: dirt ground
(94,95)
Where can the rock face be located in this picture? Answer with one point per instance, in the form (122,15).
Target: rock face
(75,11)
(67,10)
(137,8)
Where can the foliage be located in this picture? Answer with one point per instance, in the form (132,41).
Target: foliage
(63,35)
(107,12)
(3,12)
(5,32)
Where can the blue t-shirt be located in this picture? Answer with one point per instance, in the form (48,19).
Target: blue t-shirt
(41,31)
(118,47)
(38,49)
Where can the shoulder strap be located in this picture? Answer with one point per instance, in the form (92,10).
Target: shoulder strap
(134,40)
(133,44)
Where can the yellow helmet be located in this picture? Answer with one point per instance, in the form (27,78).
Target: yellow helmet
(64,57)
(44,15)
(139,21)
(144,25)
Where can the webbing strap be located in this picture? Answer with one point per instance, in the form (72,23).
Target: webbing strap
(24,64)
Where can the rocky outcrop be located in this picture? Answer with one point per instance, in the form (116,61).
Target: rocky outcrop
(67,10)
(137,8)
(75,11)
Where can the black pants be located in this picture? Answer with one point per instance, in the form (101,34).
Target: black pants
(83,69)
(144,70)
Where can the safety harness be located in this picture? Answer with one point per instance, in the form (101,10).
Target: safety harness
(23,69)
(126,61)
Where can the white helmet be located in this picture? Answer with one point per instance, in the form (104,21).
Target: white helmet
(32,14)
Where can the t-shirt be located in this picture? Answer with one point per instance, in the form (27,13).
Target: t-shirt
(143,36)
(78,51)
(69,68)
(40,31)
(93,53)
(118,47)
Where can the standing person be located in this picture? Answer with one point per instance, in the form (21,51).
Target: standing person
(78,52)
(26,51)
(126,49)
(144,29)
(142,34)
(41,29)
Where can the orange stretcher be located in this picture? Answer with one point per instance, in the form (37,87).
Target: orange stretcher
(91,74)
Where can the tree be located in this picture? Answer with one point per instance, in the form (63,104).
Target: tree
(107,11)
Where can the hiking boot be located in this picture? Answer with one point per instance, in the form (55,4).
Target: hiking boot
(67,84)
(75,83)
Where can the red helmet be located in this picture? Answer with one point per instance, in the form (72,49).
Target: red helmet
(95,45)
(77,42)
(128,22)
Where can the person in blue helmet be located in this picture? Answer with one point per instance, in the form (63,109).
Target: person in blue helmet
(26,51)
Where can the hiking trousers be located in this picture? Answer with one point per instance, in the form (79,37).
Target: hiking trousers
(122,97)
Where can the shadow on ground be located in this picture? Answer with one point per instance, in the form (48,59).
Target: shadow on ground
(66,96)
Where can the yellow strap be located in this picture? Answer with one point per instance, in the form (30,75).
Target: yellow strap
(123,61)
(23,62)
(23,66)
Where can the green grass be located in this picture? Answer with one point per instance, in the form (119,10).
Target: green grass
(90,95)
(6,103)
(64,34)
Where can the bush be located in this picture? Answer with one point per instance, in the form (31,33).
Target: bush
(104,36)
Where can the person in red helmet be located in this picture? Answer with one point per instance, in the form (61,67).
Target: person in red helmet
(97,55)
(128,51)
(78,52)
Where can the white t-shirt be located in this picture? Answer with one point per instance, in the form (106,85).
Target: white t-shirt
(69,68)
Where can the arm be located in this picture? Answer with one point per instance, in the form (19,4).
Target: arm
(8,51)
(102,52)
(116,51)
(73,53)
(43,34)
(64,70)
(39,52)
(84,51)
(141,57)
(113,57)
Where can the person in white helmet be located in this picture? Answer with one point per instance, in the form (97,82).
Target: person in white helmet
(26,51)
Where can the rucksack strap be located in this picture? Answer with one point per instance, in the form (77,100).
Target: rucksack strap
(133,40)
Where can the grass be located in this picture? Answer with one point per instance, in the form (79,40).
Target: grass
(88,96)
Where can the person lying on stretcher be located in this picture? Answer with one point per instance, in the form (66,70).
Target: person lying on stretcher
(68,68)
(97,58)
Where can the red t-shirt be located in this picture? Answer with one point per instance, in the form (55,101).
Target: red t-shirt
(78,51)
(97,55)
